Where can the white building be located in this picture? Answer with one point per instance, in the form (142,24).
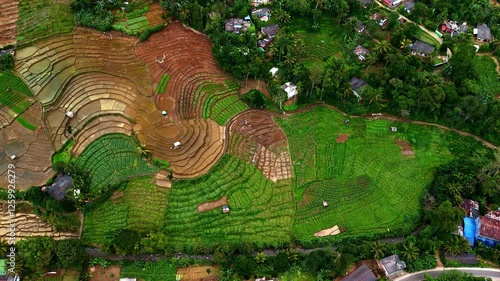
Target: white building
(290,89)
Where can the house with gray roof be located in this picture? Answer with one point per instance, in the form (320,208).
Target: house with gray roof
(361,52)
(270,31)
(236,25)
(392,266)
(362,273)
(357,85)
(421,49)
(409,6)
(483,33)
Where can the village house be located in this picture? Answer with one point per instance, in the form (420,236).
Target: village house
(381,20)
(266,42)
(453,28)
(361,52)
(61,185)
(409,6)
(365,3)
(290,89)
(262,14)
(392,3)
(483,33)
(420,48)
(357,85)
(392,266)
(270,31)
(273,71)
(235,25)
(7,52)
(485,229)
(360,27)
(362,273)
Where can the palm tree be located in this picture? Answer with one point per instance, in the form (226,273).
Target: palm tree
(455,245)
(371,59)
(382,48)
(282,16)
(404,112)
(405,43)
(184,13)
(410,252)
(378,250)
(260,258)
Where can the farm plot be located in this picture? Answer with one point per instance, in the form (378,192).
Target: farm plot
(111,159)
(42,18)
(140,19)
(260,211)
(258,140)
(8,17)
(222,104)
(32,149)
(369,185)
(150,271)
(15,98)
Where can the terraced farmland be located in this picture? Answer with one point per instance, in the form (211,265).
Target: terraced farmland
(15,98)
(42,18)
(370,186)
(111,159)
(260,211)
(8,17)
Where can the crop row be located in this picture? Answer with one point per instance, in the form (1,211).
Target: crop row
(162,86)
(150,271)
(101,224)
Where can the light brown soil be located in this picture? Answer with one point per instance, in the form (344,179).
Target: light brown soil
(198,273)
(110,273)
(207,206)
(8,17)
(117,196)
(328,231)
(406,149)
(161,179)
(254,84)
(342,138)
(32,149)
(258,140)
(154,14)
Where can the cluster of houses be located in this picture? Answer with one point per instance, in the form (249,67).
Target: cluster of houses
(477,228)
(392,266)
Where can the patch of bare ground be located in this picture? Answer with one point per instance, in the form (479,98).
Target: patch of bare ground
(258,140)
(28,225)
(154,15)
(110,273)
(32,149)
(161,179)
(254,84)
(117,196)
(207,206)
(334,230)
(342,138)
(198,273)
(8,18)
(406,149)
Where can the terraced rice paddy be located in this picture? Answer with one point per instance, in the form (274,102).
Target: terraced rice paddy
(8,17)
(15,98)
(42,18)
(138,205)
(369,185)
(260,211)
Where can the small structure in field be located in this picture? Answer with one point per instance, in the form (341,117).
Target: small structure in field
(420,48)
(70,114)
(394,129)
(325,204)
(392,266)
(164,113)
(362,273)
(225,209)
(483,33)
(361,52)
(12,157)
(274,71)
(347,121)
(177,144)
(128,279)
(290,89)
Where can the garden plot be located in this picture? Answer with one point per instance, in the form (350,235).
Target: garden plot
(32,149)
(369,186)
(15,98)
(8,17)
(257,139)
(28,225)
(162,270)
(260,211)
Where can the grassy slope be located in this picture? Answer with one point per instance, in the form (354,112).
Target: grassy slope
(488,76)
(261,211)
(369,185)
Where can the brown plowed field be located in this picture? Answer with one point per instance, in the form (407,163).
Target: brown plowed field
(207,206)
(406,149)
(33,151)
(8,17)
(198,273)
(258,140)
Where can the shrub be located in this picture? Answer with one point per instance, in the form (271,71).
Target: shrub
(6,62)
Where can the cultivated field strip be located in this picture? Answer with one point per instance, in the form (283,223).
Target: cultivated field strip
(15,98)
(8,18)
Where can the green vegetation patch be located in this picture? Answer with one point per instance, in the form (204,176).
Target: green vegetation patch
(369,185)
(222,102)
(150,271)
(132,22)
(14,93)
(42,18)
(488,76)
(26,124)
(111,159)
(261,211)
(162,86)
(426,38)
(138,205)
(63,155)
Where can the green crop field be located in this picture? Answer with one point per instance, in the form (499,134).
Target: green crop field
(261,211)
(150,271)
(369,185)
(321,44)
(139,204)
(42,18)
(14,93)
(132,22)
(222,102)
(488,76)
(160,89)
(111,159)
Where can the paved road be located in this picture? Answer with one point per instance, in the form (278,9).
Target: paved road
(481,272)
(434,35)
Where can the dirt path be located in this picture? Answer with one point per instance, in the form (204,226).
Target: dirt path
(438,259)
(490,54)
(434,35)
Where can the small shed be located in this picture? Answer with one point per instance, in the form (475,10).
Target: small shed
(290,89)
(177,144)
(273,71)
(70,114)
(394,129)
(409,6)
(356,85)
(361,52)
(225,209)
(164,113)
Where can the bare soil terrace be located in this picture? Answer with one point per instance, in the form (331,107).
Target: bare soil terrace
(8,18)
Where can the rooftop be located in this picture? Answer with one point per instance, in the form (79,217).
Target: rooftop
(409,5)
(392,264)
(362,273)
(357,83)
(422,48)
(290,89)
(494,215)
(470,207)
(270,30)
(360,50)
(236,24)
(465,258)
(483,32)
(61,185)
(489,228)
